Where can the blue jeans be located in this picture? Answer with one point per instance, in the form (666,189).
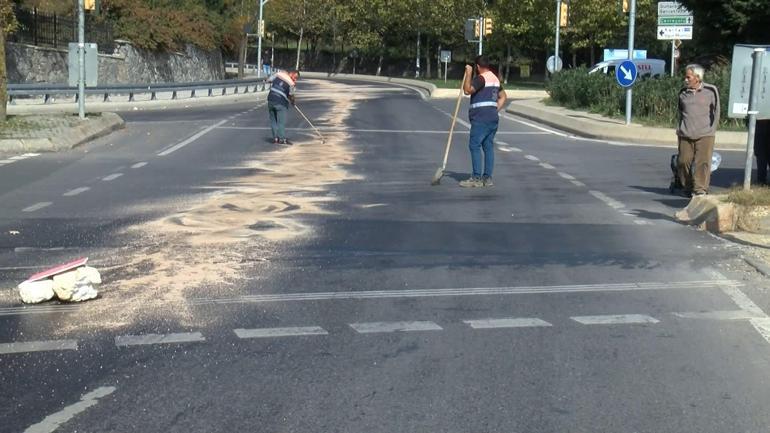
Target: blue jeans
(278,120)
(266,70)
(482,138)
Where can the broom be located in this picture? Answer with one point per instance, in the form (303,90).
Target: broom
(440,172)
(323,140)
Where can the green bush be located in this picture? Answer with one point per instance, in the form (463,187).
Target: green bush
(655,99)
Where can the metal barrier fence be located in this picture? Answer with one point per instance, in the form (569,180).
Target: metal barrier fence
(49,91)
(56,31)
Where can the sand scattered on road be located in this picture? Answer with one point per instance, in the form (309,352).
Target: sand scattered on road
(205,245)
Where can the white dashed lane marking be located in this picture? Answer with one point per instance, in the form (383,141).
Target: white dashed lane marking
(532,158)
(139,165)
(17,158)
(112,177)
(616,319)
(717,315)
(38,346)
(184,143)
(609,201)
(146,339)
(378,327)
(52,422)
(577,183)
(520,322)
(547,166)
(76,191)
(280,332)
(566,176)
(37,206)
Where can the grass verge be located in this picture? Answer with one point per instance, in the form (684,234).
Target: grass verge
(757,196)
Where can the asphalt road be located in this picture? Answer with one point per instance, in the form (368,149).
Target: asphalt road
(563,299)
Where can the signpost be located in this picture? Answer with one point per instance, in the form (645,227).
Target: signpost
(631,30)
(626,73)
(675,22)
(446,57)
(749,94)
(554,64)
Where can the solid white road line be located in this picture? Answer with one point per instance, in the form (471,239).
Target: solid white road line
(139,165)
(532,125)
(609,201)
(717,315)
(37,206)
(139,340)
(38,346)
(184,143)
(566,176)
(6,161)
(279,332)
(614,319)
(762,325)
(474,291)
(378,327)
(518,322)
(52,422)
(76,191)
(25,310)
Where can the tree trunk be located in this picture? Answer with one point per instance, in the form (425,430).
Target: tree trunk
(507,62)
(438,60)
(242,56)
(593,53)
(299,46)
(3,78)
(379,63)
(428,72)
(574,59)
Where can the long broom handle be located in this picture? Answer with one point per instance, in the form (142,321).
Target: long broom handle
(309,122)
(454,120)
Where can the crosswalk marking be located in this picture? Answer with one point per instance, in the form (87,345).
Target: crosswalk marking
(280,332)
(614,319)
(519,322)
(146,339)
(375,327)
(38,346)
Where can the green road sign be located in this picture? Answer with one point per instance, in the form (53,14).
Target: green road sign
(675,21)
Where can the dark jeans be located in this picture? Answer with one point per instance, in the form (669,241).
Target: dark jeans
(278,120)
(482,138)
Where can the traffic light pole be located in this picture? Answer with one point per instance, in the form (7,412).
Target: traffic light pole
(631,29)
(558,23)
(481,35)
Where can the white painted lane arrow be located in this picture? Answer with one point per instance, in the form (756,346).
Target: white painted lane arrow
(626,73)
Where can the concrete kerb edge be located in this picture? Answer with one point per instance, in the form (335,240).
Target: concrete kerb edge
(725,140)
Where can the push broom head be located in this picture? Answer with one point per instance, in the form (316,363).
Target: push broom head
(437,177)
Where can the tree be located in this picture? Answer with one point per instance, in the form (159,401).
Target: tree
(7,25)
(720,24)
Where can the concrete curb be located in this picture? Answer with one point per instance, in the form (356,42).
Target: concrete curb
(91,129)
(590,125)
(162,104)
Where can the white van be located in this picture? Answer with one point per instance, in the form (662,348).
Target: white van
(647,68)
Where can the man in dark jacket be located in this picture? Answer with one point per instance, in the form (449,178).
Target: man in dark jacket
(698,121)
(281,95)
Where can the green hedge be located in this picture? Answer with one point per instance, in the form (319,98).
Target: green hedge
(655,100)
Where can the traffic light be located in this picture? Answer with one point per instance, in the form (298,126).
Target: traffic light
(89,5)
(564,17)
(487,26)
(476,28)
(626,7)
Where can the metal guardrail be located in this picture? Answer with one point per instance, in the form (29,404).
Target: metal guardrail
(50,90)
(234,65)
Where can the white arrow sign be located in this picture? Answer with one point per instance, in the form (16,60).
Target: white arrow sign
(626,73)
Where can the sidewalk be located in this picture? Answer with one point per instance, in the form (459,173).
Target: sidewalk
(591,125)
(52,133)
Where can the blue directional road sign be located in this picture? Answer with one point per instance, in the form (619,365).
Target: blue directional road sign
(626,73)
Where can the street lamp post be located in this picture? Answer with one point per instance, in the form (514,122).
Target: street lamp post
(260,30)
(558,24)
